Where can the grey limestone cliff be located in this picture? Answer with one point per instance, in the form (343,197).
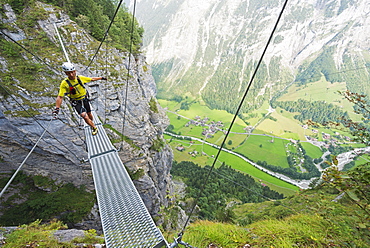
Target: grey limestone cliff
(126,103)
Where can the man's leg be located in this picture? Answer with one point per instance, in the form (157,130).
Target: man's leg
(87,108)
(81,108)
(89,122)
(87,119)
(90,116)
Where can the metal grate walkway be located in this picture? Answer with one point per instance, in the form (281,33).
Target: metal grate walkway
(125,219)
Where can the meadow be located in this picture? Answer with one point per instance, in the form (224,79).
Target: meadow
(263,148)
(321,91)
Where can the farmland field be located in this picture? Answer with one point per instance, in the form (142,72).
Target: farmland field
(205,156)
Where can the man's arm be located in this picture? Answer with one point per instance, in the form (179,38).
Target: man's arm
(58,102)
(98,78)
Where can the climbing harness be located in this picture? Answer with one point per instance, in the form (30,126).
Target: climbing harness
(81,100)
(73,90)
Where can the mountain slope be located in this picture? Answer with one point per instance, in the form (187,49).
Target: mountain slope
(209,49)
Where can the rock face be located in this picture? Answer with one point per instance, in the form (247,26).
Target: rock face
(190,41)
(126,102)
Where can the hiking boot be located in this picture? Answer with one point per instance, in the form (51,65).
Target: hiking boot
(94,130)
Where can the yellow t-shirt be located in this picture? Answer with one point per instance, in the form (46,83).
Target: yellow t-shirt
(80,91)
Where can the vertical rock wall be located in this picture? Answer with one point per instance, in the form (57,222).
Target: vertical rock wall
(126,102)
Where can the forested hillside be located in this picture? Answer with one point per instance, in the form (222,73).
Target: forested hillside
(224,186)
(307,110)
(94,16)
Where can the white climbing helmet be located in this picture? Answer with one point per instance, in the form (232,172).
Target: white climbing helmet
(67,66)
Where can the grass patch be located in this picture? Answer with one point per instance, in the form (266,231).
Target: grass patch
(178,123)
(24,113)
(35,235)
(153,105)
(41,235)
(321,90)
(123,137)
(311,150)
(271,150)
(301,230)
(90,237)
(158,144)
(170,105)
(304,230)
(135,175)
(204,233)
(285,125)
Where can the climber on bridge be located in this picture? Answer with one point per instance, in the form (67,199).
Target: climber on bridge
(73,86)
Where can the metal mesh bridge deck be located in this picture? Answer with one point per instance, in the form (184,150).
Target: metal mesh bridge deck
(125,219)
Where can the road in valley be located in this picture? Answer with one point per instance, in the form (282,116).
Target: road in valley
(303,184)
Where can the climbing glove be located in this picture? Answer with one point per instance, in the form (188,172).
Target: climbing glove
(103,78)
(55,112)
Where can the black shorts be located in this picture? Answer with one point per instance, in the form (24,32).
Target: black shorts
(81,106)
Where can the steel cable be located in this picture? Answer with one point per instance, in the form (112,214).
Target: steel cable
(128,72)
(21,165)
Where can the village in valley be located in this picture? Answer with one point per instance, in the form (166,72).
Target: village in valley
(212,127)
